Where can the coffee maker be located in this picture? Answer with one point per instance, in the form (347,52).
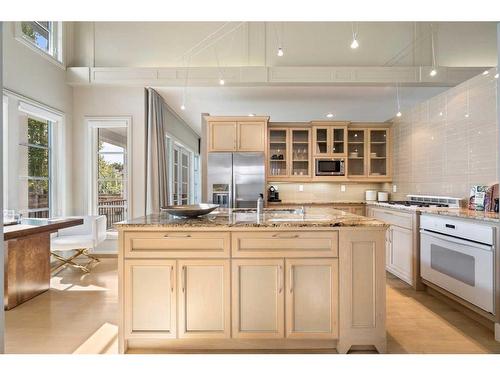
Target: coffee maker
(273,194)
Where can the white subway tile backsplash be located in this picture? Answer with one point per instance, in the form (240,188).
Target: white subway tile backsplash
(437,150)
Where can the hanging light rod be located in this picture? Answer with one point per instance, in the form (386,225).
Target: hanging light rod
(433,71)
(398,114)
(354,43)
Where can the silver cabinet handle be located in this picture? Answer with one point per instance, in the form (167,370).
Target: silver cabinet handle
(279,235)
(280,279)
(183,277)
(291,279)
(177,235)
(172,278)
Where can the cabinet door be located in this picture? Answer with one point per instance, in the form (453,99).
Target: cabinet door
(251,136)
(150,299)
(378,154)
(222,136)
(312,298)
(401,254)
(204,301)
(278,153)
(338,138)
(321,141)
(258,298)
(300,153)
(356,162)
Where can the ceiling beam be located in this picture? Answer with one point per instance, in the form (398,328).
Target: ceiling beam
(259,76)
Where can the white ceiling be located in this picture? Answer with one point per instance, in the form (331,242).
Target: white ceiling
(292,104)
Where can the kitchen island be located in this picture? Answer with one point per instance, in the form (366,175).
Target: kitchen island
(286,279)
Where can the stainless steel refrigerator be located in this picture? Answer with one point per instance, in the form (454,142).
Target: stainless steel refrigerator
(235,180)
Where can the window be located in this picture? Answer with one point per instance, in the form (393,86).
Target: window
(110,180)
(183,174)
(45,36)
(34,167)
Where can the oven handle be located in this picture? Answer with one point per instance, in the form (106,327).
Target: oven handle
(456,240)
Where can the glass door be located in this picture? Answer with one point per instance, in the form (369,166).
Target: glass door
(338,135)
(300,153)
(378,152)
(321,141)
(278,152)
(356,152)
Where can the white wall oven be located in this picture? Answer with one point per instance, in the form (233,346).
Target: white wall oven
(458,256)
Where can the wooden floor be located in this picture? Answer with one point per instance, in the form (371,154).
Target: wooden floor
(78,315)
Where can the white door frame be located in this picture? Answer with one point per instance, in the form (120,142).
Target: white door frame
(92,123)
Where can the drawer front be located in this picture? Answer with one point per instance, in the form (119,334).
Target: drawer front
(400,219)
(285,244)
(176,244)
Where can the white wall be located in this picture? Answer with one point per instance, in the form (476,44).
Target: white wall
(155,44)
(29,74)
(116,101)
(101,102)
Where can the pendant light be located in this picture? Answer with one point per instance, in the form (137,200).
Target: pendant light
(184,91)
(433,71)
(279,39)
(222,81)
(354,43)
(398,114)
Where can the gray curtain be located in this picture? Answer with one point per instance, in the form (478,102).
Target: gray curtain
(156,157)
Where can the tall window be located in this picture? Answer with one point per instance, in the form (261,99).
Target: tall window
(44,35)
(34,167)
(110,171)
(181,175)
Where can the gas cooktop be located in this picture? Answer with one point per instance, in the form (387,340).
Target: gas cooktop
(417,204)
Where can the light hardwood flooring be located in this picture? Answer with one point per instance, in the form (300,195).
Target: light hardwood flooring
(78,315)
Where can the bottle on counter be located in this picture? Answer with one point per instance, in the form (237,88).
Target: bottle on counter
(260,204)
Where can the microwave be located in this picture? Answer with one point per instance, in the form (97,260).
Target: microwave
(330,167)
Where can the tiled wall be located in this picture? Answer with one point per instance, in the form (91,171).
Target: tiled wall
(448,143)
(317,192)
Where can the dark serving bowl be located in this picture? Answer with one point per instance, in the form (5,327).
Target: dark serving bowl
(190,210)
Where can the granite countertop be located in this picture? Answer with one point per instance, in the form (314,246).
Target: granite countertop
(314,203)
(313,217)
(463,213)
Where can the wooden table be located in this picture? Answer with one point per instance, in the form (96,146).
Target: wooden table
(27,258)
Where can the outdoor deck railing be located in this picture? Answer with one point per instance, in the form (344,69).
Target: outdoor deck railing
(114,213)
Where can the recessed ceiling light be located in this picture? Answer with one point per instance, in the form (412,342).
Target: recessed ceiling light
(251,114)
(466,115)
(183,107)
(440,113)
(485,73)
(222,82)
(329,115)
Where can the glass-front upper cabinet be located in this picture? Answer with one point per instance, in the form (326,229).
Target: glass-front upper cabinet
(356,152)
(278,147)
(300,147)
(378,155)
(329,140)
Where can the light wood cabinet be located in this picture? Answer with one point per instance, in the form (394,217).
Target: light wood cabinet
(312,298)
(236,134)
(251,136)
(401,258)
(289,153)
(150,301)
(329,140)
(204,301)
(258,298)
(400,254)
(223,136)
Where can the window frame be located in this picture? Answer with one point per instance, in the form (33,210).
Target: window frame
(57,40)
(172,145)
(93,124)
(19,106)
(50,167)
